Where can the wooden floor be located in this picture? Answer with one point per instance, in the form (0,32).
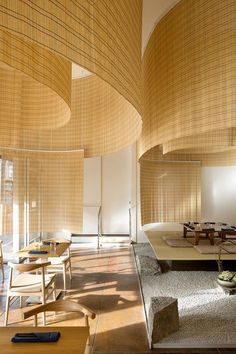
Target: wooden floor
(106,281)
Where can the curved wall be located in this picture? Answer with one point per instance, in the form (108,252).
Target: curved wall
(44,85)
(41,39)
(102,36)
(189,73)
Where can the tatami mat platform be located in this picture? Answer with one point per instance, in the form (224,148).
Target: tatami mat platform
(164,252)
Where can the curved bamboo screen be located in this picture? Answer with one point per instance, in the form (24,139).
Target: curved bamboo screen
(105,38)
(170,191)
(39,80)
(101,121)
(188,104)
(189,74)
(48,191)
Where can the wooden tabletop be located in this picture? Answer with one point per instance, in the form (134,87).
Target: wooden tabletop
(72,340)
(57,252)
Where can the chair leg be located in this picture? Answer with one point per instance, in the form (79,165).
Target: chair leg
(7,310)
(70,272)
(64,276)
(54,292)
(44,315)
(87,325)
(2,272)
(21,302)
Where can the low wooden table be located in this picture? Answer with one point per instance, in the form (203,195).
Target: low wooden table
(209,232)
(72,340)
(224,232)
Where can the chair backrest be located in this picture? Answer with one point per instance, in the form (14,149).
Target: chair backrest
(60,305)
(28,267)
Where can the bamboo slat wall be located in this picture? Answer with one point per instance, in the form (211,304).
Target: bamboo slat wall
(170,192)
(43,89)
(103,36)
(41,39)
(101,121)
(48,191)
(189,76)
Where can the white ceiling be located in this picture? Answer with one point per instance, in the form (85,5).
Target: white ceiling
(153,11)
(79,72)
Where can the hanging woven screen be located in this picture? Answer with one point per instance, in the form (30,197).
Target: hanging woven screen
(189,80)
(62,193)
(170,191)
(102,36)
(47,192)
(98,118)
(35,90)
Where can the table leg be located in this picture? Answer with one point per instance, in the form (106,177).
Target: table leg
(211,237)
(222,235)
(197,236)
(185,232)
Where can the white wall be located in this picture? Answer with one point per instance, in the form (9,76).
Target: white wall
(110,181)
(116,191)
(92,194)
(219,194)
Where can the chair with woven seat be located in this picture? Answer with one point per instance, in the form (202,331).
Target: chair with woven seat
(61,305)
(1,261)
(26,284)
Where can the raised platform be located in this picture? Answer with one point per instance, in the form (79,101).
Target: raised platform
(167,253)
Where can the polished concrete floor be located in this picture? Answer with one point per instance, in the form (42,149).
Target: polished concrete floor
(107,282)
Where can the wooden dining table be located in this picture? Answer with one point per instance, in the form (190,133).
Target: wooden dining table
(72,340)
(60,247)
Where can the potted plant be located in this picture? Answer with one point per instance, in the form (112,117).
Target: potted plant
(227,278)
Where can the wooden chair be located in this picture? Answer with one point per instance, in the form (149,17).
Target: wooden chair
(61,305)
(27,284)
(61,264)
(1,261)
